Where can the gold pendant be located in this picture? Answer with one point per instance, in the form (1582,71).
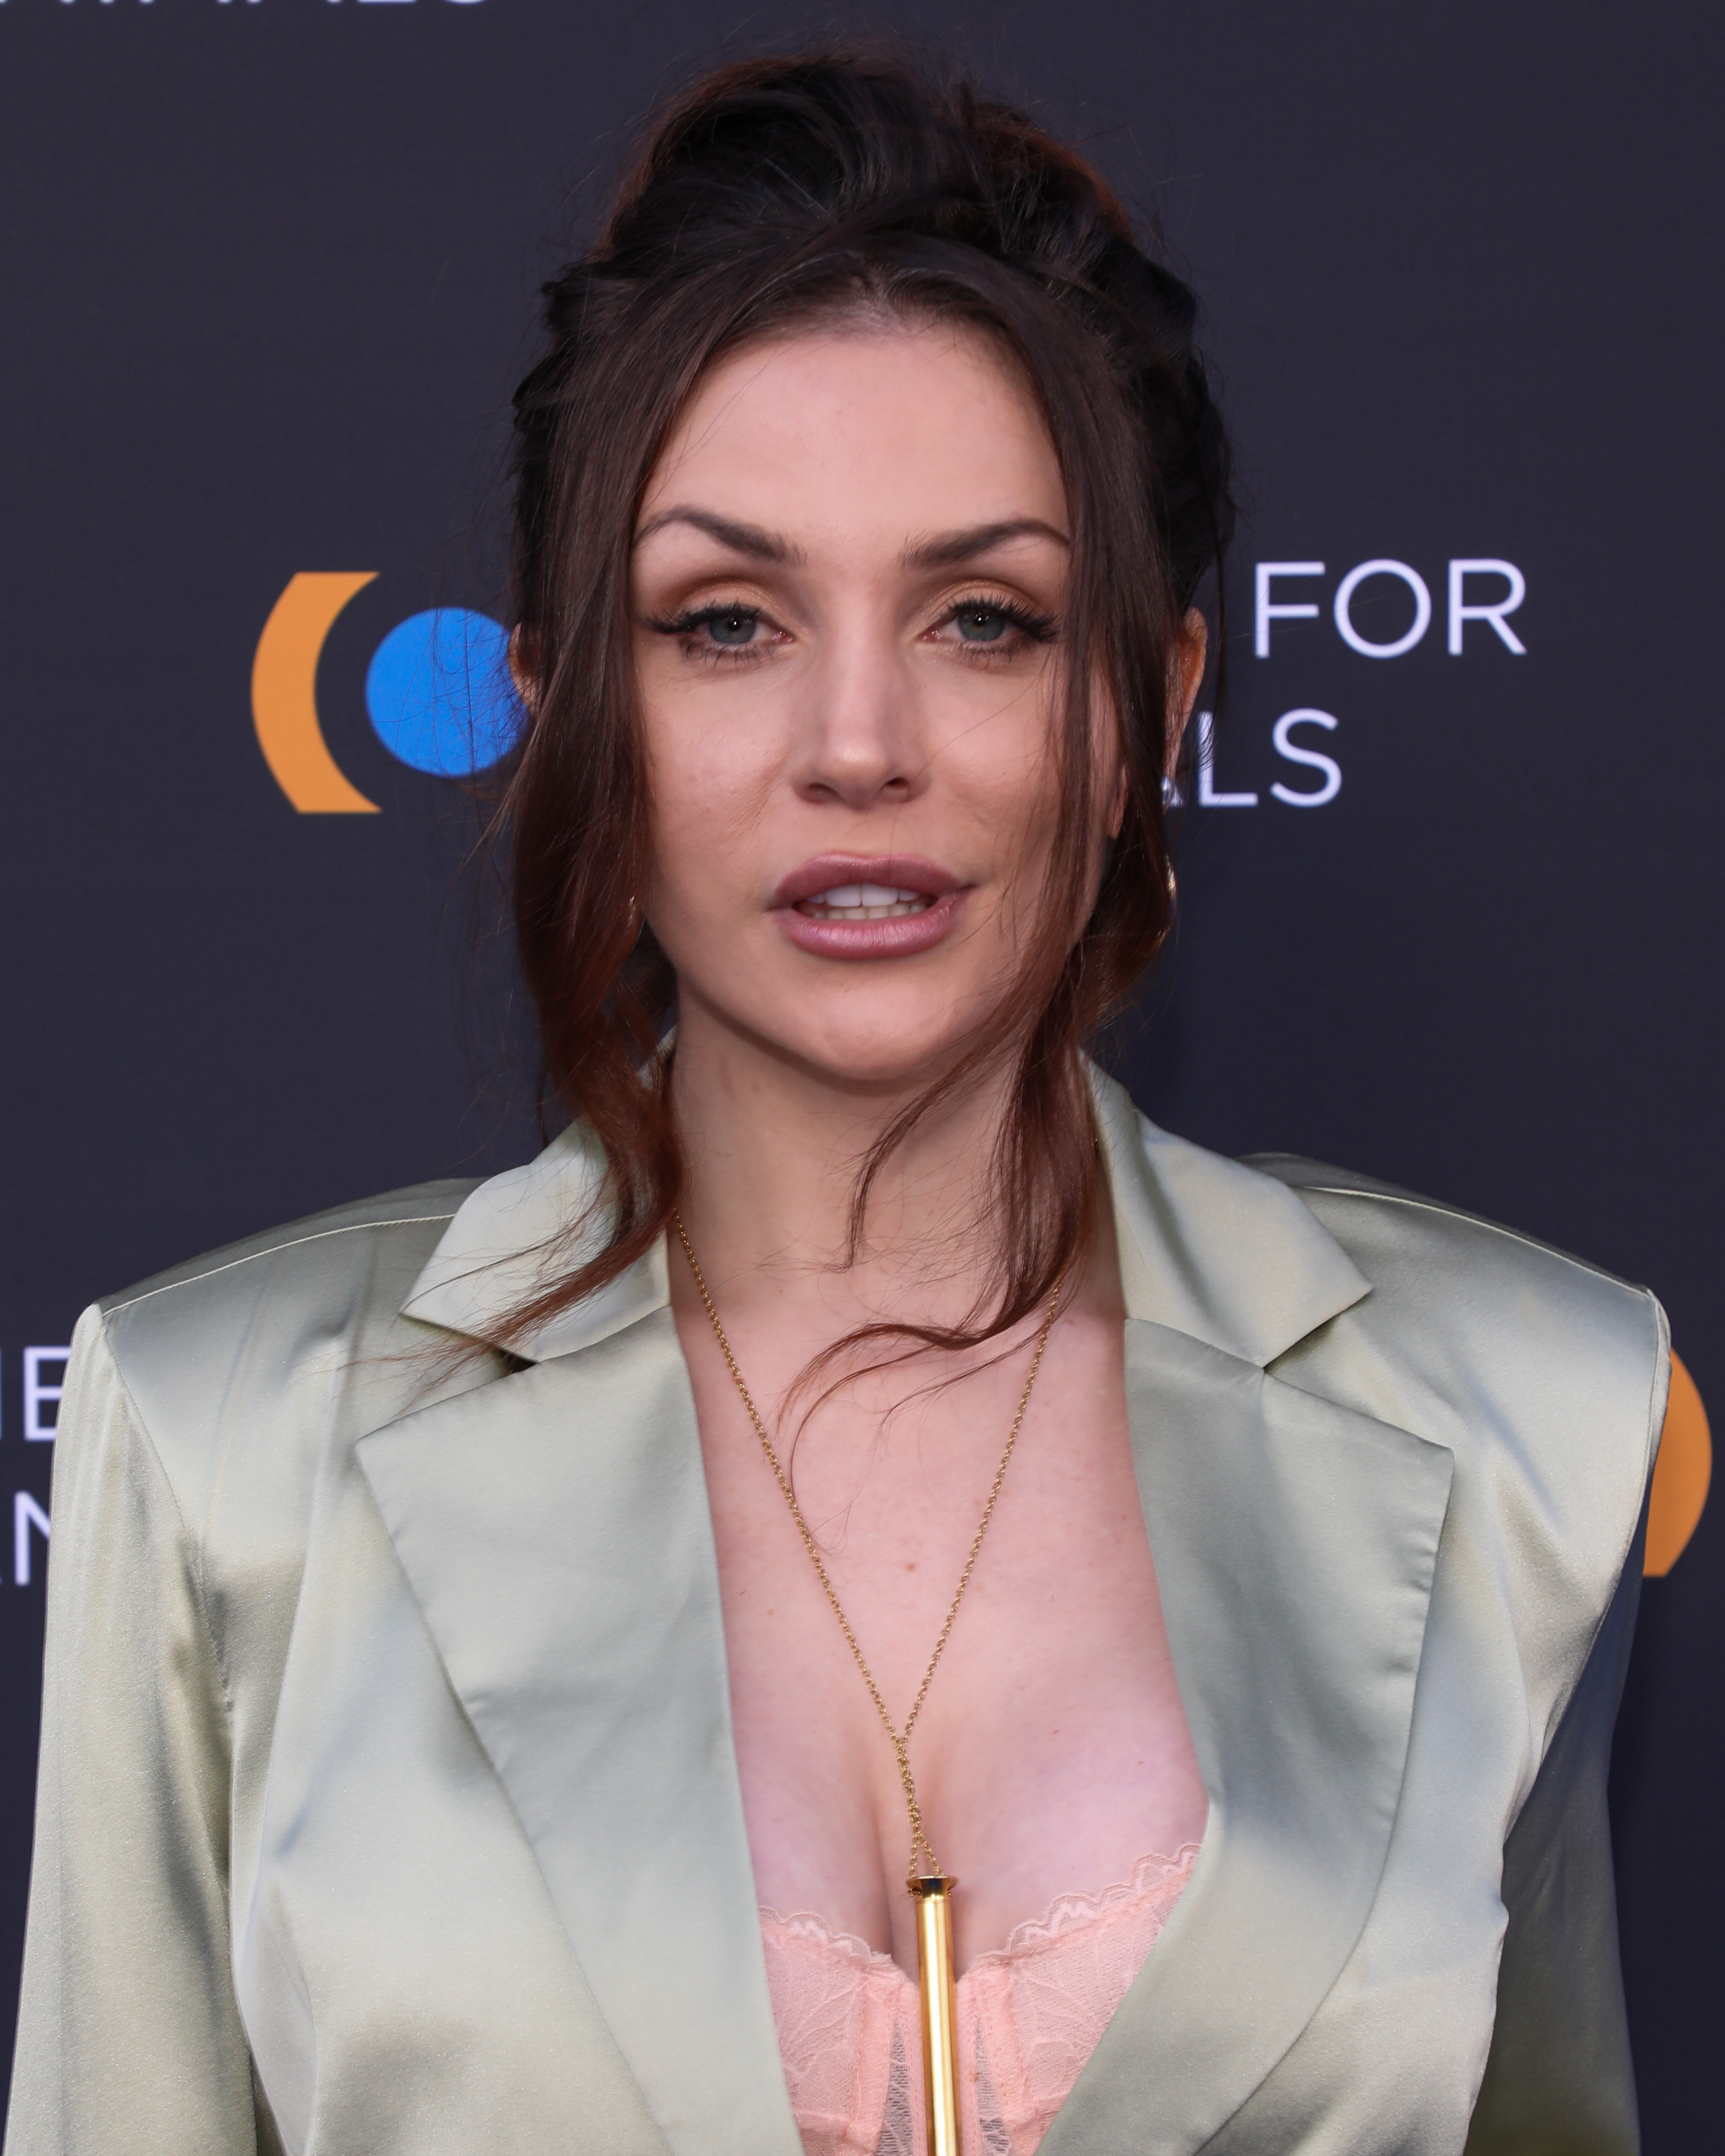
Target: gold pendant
(933,1897)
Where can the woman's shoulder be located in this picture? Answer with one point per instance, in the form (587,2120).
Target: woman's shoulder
(1468,1295)
(257,1342)
(1298,1266)
(342,1264)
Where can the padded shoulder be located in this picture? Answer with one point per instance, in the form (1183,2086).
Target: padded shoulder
(421,1205)
(266,1347)
(1469,1287)
(1313,1180)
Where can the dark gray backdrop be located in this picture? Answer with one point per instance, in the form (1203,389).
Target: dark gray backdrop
(268,268)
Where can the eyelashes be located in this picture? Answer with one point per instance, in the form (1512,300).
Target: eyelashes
(983,619)
(718,634)
(991,625)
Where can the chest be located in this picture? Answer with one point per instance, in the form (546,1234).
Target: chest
(497,1822)
(1050,1752)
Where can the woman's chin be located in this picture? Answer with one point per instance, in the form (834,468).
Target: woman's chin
(889,1054)
(875,1036)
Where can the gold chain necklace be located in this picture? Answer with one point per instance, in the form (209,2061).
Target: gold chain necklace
(928,1885)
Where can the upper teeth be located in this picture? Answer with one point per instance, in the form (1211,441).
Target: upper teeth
(868,901)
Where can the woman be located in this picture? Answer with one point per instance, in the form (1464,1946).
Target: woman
(486,1624)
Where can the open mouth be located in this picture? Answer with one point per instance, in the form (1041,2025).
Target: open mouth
(864,902)
(862,905)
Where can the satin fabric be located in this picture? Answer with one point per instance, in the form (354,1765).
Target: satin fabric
(388,1801)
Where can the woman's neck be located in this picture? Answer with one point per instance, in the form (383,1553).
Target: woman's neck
(772,1152)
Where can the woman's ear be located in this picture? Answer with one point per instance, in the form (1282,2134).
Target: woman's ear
(524,665)
(1188,677)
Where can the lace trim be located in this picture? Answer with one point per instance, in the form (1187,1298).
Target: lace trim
(1067,1912)
(1063,1914)
(804,1924)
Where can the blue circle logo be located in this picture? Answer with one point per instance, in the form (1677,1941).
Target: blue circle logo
(439,693)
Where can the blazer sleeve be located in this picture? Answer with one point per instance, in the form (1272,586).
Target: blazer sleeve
(129,2035)
(1559,2079)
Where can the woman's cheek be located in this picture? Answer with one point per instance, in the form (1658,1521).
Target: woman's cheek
(1012,795)
(707,850)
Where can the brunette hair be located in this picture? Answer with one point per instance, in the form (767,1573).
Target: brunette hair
(773,192)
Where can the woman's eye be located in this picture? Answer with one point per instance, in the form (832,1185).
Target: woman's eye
(982,624)
(718,632)
(995,628)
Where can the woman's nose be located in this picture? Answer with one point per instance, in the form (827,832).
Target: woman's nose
(860,740)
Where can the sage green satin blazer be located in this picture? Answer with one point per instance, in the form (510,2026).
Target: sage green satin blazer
(388,1801)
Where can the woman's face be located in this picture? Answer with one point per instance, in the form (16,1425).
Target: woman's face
(848,579)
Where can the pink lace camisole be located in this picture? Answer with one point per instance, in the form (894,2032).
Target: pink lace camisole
(1029,2017)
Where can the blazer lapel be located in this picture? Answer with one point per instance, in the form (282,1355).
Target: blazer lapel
(1295,1544)
(554,1528)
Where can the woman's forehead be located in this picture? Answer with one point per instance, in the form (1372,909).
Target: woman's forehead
(881,428)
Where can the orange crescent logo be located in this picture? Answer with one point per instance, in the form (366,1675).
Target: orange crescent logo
(284,693)
(1680,1479)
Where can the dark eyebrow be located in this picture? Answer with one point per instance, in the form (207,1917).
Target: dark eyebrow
(953,547)
(747,539)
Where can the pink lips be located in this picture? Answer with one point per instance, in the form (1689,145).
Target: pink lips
(895,937)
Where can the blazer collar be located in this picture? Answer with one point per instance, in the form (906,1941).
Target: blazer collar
(1208,1248)
(512,1234)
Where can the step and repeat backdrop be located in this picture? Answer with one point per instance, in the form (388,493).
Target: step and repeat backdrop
(1454,891)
